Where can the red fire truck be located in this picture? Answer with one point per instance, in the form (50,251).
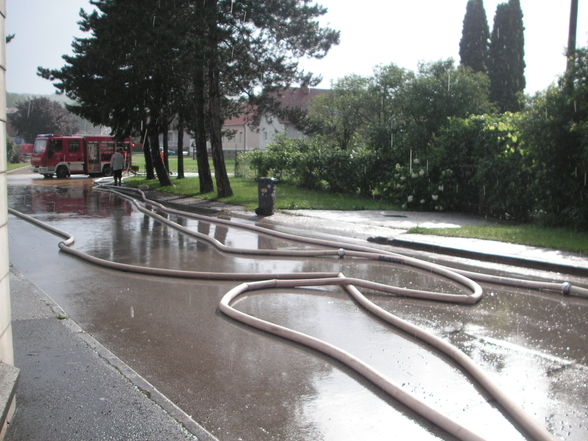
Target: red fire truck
(80,154)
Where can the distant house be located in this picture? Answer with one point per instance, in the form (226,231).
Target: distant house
(172,142)
(240,134)
(294,99)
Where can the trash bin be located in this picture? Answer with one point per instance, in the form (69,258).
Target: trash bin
(266,193)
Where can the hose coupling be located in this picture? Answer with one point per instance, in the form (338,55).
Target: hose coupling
(566,288)
(341,253)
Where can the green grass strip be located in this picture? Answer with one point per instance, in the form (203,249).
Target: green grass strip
(190,165)
(16,165)
(287,196)
(532,235)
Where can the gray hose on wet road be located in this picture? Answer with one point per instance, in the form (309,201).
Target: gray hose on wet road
(291,280)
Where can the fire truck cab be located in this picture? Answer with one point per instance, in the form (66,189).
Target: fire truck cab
(67,155)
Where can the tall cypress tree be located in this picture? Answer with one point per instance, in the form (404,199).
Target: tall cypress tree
(571,52)
(506,65)
(473,47)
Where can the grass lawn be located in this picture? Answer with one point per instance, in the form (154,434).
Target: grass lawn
(190,165)
(17,165)
(533,235)
(287,196)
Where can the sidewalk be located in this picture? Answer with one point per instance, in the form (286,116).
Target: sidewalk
(71,388)
(390,228)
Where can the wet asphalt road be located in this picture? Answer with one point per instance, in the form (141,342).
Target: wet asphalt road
(241,384)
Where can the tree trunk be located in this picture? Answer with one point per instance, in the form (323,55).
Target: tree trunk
(166,147)
(223,186)
(160,170)
(180,150)
(150,173)
(204,176)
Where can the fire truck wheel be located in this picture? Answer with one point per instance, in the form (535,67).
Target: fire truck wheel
(61,172)
(106,170)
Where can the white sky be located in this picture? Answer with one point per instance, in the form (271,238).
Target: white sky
(373,32)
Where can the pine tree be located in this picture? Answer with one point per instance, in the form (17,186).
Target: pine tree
(120,75)
(506,57)
(146,61)
(473,47)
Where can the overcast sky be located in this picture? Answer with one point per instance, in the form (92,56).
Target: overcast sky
(373,32)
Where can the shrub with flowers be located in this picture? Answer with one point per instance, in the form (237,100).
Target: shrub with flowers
(416,188)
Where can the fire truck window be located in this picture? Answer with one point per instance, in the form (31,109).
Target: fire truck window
(55,145)
(106,150)
(74,146)
(40,145)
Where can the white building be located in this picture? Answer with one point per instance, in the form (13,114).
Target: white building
(293,99)
(240,135)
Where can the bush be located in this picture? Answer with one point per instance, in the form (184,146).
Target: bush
(316,164)
(12,152)
(489,166)
(416,188)
(531,165)
(556,129)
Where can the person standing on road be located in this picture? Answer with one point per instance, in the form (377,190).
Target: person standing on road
(117,163)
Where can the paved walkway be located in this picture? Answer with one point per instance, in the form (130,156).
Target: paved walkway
(391,227)
(71,388)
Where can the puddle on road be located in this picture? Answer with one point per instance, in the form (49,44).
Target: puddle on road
(239,382)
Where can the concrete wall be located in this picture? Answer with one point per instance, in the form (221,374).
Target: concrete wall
(6,354)
(8,374)
(271,126)
(242,138)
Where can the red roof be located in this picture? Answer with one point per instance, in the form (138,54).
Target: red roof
(298,97)
(240,120)
(236,121)
(291,98)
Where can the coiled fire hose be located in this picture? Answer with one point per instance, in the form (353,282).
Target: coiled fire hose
(290,280)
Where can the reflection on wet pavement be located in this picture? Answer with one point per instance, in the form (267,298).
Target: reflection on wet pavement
(242,384)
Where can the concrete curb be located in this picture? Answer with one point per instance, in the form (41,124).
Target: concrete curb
(489,257)
(9,376)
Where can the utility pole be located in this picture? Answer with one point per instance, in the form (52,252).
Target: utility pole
(572,36)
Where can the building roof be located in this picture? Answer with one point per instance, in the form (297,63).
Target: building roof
(294,98)
(246,117)
(239,120)
(297,97)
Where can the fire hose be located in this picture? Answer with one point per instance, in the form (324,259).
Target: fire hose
(255,281)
